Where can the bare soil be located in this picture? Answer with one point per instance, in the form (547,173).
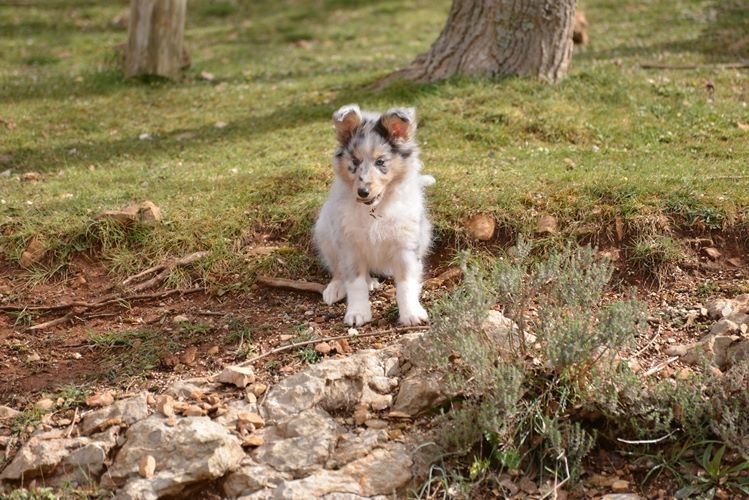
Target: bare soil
(129,346)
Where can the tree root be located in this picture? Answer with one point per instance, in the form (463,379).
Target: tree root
(80,308)
(298,285)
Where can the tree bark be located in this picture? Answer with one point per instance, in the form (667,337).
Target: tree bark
(156,38)
(499,38)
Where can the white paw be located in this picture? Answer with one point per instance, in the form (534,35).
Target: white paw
(355,317)
(373,283)
(413,316)
(334,292)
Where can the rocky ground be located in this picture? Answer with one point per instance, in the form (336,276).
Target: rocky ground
(346,426)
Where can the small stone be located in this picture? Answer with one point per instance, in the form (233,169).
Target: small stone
(188,357)
(7,413)
(197,395)
(180,318)
(252,418)
(677,350)
(44,404)
(723,327)
(213,350)
(323,348)
(165,405)
(620,486)
(145,136)
(240,376)
(33,254)
(171,421)
(207,76)
(684,374)
(481,226)
(33,357)
(352,332)
(547,224)
(719,308)
(194,411)
(253,441)
(100,399)
(147,466)
(376,423)
(31,176)
(151,400)
(258,389)
(712,253)
(361,414)
(220,125)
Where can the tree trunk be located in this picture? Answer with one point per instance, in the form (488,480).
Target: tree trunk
(155,38)
(499,38)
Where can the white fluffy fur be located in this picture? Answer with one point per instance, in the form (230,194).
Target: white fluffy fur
(356,240)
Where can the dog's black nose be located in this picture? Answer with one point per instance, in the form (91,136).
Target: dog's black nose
(362,192)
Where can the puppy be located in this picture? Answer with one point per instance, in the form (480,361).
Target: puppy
(374,220)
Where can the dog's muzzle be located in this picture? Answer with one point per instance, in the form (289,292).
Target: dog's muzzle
(370,201)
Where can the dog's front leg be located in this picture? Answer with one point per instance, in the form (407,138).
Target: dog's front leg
(358,310)
(408,288)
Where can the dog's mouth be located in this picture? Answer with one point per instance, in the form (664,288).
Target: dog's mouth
(370,201)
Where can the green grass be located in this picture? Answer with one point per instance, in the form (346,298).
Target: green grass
(611,141)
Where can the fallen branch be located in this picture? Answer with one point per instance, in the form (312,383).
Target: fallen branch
(163,271)
(734,65)
(298,285)
(446,277)
(288,347)
(80,308)
(648,441)
(660,367)
(54,322)
(647,346)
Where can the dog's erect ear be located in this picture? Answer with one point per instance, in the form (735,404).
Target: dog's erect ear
(399,124)
(346,121)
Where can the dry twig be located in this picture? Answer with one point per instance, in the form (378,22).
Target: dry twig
(298,285)
(660,367)
(735,65)
(288,347)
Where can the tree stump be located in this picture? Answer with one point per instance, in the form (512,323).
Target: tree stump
(156,38)
(499,38)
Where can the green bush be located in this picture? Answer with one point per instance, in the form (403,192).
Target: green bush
(543,392)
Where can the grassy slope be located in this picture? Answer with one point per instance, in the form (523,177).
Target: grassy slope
(613,140)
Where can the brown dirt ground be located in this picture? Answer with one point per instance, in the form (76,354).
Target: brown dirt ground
(221,329)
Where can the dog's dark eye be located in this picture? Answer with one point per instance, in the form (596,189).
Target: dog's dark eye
(380,162)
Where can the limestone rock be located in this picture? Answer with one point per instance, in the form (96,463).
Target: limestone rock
(481,226)
(724,327)
(128,411)
(418,392)
(547,224)
(309,440)
(383,472)
(7,413)
(737,352)
(146,213)
(239,376)
(251,477)
(147,466)
(105,398)
(33,254)
(59,460)
(719,308)
(196,449)
(334,384)
(354,447)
